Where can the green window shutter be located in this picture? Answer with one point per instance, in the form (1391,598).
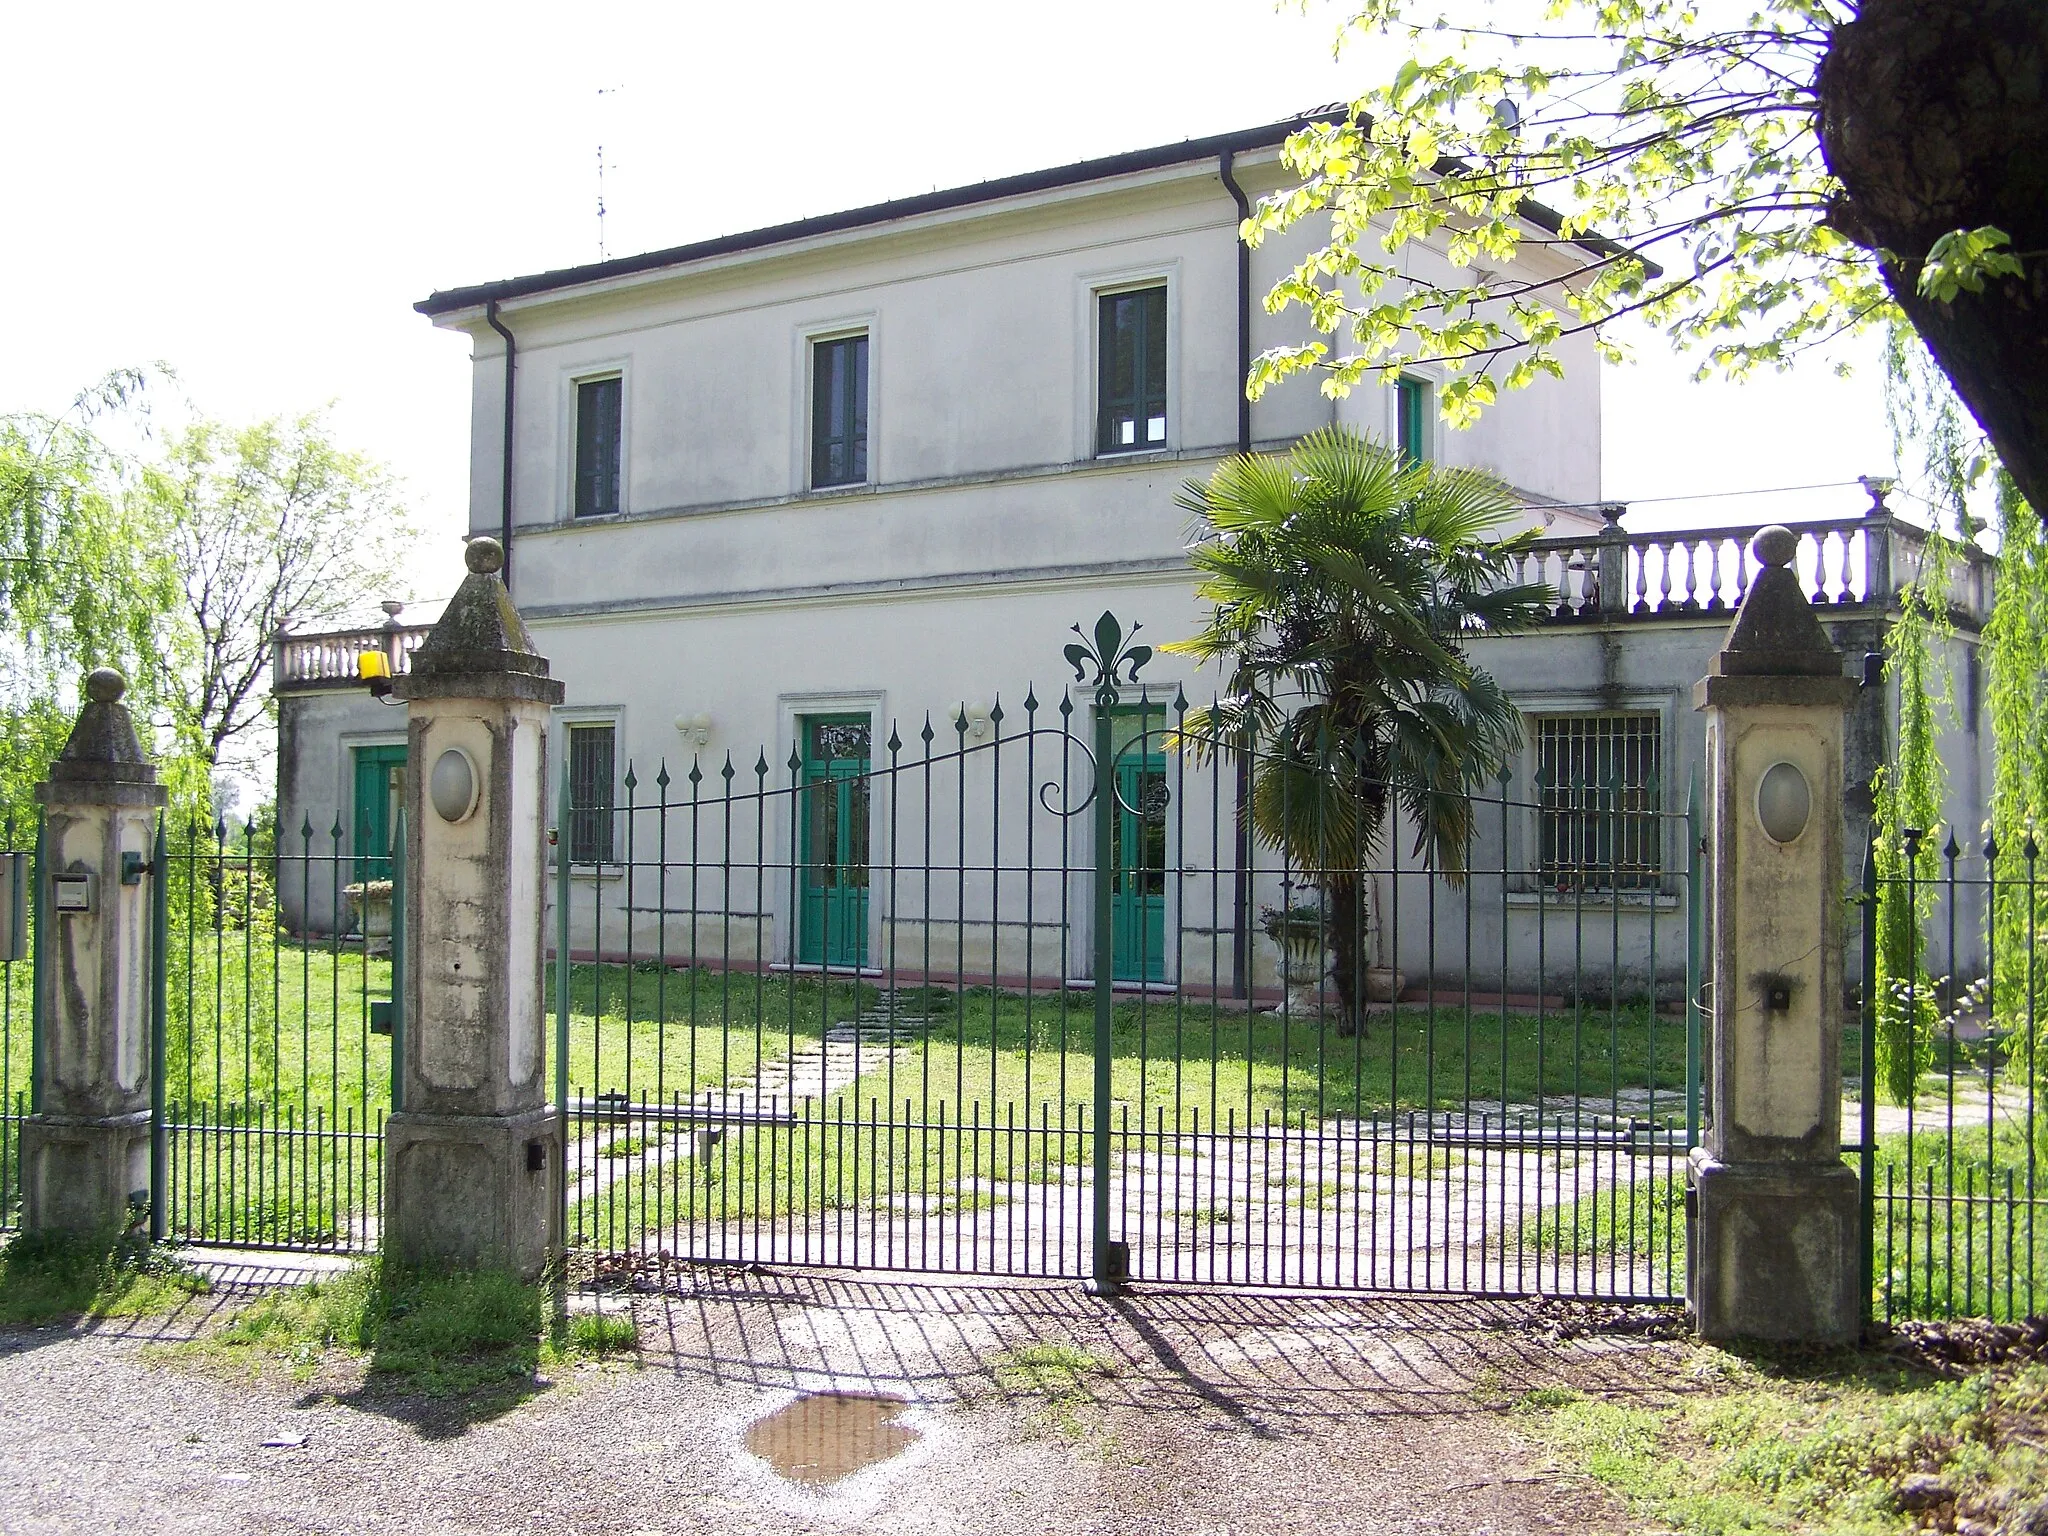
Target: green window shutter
(1412,424)
(1131,384)
(598,404)
(839,411)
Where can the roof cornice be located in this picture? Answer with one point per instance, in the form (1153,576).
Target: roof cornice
(448,301)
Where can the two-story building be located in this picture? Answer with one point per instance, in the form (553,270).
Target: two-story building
(781,498)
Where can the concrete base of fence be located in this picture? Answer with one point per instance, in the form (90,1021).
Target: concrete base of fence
(473,1191)
(1773,1250)
(88,1177)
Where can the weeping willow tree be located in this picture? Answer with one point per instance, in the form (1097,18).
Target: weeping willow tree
(2016,674)
(1910,790)
(1956,466)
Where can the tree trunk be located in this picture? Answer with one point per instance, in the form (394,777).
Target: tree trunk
(1342,898)
(1934,117)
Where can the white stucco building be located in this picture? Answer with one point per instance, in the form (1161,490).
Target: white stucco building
(770,494)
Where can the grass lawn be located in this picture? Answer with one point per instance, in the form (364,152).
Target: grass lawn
(997,1092)
(1956,1234)
(482,1336)
(47,1278)
(1847,1443)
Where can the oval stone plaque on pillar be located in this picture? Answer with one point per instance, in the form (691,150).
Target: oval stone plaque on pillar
(452,787)
(1784,802)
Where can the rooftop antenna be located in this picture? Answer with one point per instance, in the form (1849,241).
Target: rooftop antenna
(603,253)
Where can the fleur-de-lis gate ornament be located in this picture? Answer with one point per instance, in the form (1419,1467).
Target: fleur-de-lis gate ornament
(1114,661)
(1110,655)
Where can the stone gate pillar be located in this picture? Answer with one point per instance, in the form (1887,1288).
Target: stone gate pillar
(1773,1240)
(473,1159)
(85,1149)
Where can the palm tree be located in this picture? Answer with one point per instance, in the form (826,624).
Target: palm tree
(1347,581)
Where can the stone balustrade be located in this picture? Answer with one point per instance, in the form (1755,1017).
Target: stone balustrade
(312,661)
(1691,571)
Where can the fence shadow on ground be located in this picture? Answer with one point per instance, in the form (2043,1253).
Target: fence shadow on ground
(1272,1363)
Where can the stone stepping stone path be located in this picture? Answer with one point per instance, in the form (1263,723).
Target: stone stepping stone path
(848,1051)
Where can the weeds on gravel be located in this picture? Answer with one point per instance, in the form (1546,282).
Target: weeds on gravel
(1056,1372)
(1844,1442)
(430,1333)
(603,1333)
(45,1276)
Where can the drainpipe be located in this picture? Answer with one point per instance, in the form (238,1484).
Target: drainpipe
(505,474)
(1240,876)
(1244,305)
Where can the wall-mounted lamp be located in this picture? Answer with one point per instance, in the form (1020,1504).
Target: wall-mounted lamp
(374,669)
(695,729)
(976,719)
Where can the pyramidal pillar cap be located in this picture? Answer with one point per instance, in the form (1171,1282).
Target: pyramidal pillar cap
(1777,650)
(480,647)
(103,747)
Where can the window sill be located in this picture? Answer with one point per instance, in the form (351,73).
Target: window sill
(1161,454)
(1596,901)
(594,873)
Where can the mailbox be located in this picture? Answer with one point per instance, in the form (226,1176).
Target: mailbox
(74,893)
(13,907)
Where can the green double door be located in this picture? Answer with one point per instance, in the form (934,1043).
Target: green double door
(1137,893)
(832,921)
(379,791)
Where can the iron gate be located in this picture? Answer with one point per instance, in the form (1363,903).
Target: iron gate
(276,972)
(1950,1139)
(1017,1069)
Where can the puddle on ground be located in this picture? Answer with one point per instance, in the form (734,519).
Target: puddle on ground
(824,1436)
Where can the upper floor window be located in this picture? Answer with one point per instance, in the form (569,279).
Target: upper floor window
(1597,782)
(839,411)
(1131,394)
(592,749)
(597,445)
(1412,403)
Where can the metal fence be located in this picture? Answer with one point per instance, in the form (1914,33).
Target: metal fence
(1951,1146)
(17,1045)
(273,1074)
(1010,993)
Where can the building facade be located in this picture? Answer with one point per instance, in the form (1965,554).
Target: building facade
(781,499)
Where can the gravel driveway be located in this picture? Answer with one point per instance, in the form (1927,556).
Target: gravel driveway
(1218,1412)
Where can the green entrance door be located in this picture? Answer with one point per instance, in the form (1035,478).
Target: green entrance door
(379,791)
(832,925)
(1137,901)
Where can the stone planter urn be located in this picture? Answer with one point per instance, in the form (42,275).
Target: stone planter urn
(369,912)
(1304,957)
(1383,983)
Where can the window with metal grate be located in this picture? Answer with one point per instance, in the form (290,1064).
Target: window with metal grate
(1597,789)
(591,750)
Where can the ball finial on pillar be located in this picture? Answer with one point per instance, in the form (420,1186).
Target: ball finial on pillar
(103,685)
(484,556)
(1775,546)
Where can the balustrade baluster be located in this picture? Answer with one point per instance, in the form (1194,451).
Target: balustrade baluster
(1709,597)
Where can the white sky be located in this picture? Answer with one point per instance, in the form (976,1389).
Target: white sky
(256,194)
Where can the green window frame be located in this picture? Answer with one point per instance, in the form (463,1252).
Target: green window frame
(593,757)
(839,411)
(1131,385)
(1413,403)
(599,417)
